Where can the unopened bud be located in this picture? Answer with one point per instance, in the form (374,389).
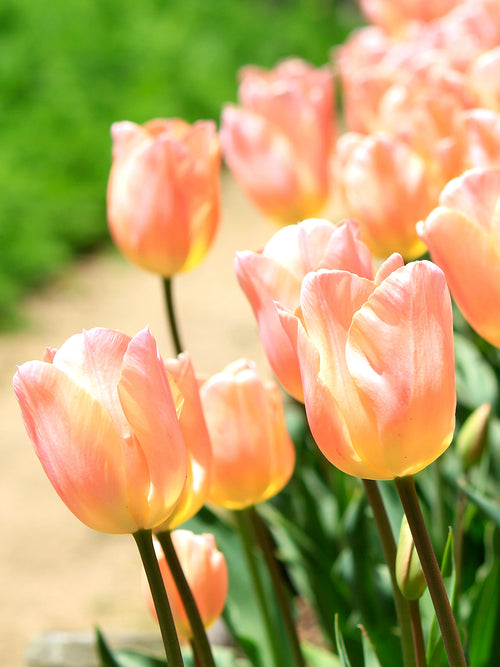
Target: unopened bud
(409,573)
(472,437)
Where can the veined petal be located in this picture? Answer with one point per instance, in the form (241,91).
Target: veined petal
(77,444)
(400,356)
(470,259)
(147,403)
(325,418)
(93,359)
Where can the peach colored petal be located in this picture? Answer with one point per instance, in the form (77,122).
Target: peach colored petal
(400,356)
(196,439)
(148,406)
(393,262)
(476,194)
(67,426)
(470,259)
(324,415)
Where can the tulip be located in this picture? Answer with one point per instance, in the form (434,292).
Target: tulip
(206,573)
(102,417)
(278,143)
(163,193)
(384,184)
(377,366)
(197,442)
(484,76)
(394,17)
(482,138)
(463,239)
(253,455)
(275,274)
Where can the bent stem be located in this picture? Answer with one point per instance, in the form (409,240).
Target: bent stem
(388,542)
(172,320)
(244,526)
(144,541)
(201,645)
(432,573)
(263,538)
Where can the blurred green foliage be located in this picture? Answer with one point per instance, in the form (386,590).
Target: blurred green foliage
(69,68)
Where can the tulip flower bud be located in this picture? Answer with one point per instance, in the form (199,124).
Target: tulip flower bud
(206,573)
(103,418)
(253,455)
(409,573)
(472,437)
(163,193)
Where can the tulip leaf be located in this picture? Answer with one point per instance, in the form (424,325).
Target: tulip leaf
(486,505)
(344,658)
(370,657)
(476,382)
(106,656)
(319,657)
(435,644)
(484,622)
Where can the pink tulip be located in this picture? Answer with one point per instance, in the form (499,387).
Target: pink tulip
(463,238)
(206,573)
(377,366)
(482,138)
(163,193)
(484,77)
(253,455)
(276,272)
(196,439)
(102,418)
(384,184)
(278,143)
(394,16)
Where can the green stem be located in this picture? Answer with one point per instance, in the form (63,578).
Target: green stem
(459,538)
(418,637)
(432,573)
(196,657)
(389,548)
(200,639)
(246,534)
(144,541)
(263,538)
(172,320)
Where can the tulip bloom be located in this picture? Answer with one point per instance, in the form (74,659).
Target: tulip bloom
(102,418)
(253,455)
(463,238)
(394,17)
(276,272)
(205,570)
(163,193)
(383,183)
(196,439)
(377,366)
(278,143)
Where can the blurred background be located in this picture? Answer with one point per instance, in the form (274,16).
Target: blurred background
(69,69)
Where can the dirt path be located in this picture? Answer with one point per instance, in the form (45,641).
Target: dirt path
(56,574)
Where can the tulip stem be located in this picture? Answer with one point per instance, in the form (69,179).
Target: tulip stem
(264,540)
(444,614)
(409,649)
(172,320)
(201,644)
(244,525)
(418,637)
(144,541)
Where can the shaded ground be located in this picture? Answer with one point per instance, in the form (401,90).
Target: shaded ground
(56,574)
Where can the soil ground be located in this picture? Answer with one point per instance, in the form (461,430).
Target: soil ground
(55,573)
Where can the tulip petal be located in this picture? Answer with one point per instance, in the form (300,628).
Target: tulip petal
(325,418)
(400,356)
(470,259)
(67,426)
(147,402)
(93,359)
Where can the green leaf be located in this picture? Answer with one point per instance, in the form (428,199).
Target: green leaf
(104,653)
(435,644)
(476,382)
(487,505)
(370,657)
(344,658)
(319,657)
(136,659)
